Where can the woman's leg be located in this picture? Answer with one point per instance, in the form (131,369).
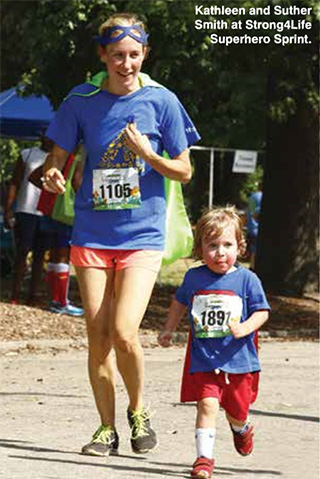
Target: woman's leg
(24,236)
(97,290)
(18,274)
(133,288)
(36,273)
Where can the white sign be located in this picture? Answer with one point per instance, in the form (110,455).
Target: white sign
(244,161)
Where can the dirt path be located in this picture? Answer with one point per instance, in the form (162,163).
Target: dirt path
(47,414)
(297,317)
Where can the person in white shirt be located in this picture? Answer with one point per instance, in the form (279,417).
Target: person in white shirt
(22,216)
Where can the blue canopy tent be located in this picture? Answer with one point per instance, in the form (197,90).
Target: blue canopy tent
(23,117)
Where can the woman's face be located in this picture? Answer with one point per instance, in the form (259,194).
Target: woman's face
(123,60)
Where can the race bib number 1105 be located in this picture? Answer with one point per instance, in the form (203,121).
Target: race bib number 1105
(116,189)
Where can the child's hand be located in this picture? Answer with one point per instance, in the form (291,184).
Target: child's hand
(253,323)
(238,330)
(165,338)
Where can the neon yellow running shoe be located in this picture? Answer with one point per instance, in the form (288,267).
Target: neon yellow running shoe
(104,441)
(143,438)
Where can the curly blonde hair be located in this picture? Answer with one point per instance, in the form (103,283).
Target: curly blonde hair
(211,225)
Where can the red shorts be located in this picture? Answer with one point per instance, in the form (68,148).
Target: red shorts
(115,258)
(235,392)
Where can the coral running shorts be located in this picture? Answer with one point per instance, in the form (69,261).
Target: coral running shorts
(115,258)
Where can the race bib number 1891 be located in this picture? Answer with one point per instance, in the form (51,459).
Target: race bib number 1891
(212,312)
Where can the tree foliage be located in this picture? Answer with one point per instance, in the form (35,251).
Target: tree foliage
(49,47)
(238,96)
(9,151)
(60,53)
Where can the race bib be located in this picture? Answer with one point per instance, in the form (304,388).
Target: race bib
(116,189)
(212,313)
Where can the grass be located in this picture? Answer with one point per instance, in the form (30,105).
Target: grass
(173,274)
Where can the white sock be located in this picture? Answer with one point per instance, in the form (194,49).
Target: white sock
(240,429)
(205,438)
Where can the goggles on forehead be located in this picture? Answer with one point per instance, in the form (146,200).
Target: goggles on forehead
(133,31)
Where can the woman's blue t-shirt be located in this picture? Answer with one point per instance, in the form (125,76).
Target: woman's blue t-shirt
(97,120)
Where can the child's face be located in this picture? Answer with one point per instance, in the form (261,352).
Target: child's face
(220,253)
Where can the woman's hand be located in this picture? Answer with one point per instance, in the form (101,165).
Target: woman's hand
(138,143)
(53,181)
(177,168)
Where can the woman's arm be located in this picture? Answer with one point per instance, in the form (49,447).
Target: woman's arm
(15,184)
(178,168)
(53,179)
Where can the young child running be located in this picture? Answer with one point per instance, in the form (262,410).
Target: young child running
(226,305)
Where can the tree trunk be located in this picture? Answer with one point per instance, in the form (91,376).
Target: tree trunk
(288,242)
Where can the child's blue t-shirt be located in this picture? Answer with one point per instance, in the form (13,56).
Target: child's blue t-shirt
(212,299)
(98,119)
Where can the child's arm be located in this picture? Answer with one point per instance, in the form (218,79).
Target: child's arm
(253,323)
(175,314)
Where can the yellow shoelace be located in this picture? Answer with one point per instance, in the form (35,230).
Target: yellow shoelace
(139,419)
(103,434)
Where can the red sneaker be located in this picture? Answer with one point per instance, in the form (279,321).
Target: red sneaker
(202,468)
(243,442)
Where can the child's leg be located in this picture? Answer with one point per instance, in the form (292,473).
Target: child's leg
(235,424)
(242,435)
(207,410)
(205,436)
(236,401)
